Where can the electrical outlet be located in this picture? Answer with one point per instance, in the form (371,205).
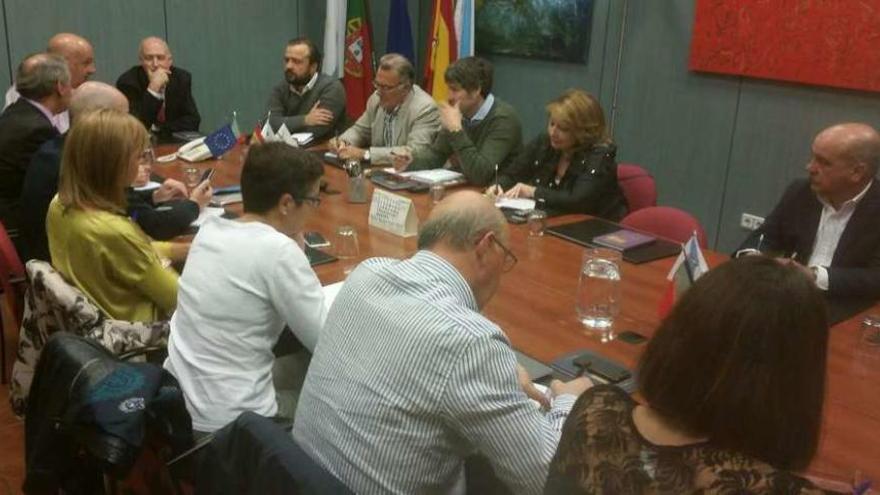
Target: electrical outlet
(750,222)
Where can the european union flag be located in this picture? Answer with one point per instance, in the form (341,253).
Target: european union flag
(221,140)
(400,38)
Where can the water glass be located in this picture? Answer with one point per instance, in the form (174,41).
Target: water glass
(191,176)
(537,221)
(437,193)
(357,189)
(598,292)
(870,333)
(353,167)
(346,242)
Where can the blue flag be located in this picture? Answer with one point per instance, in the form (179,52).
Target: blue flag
(400,38)
(221,140)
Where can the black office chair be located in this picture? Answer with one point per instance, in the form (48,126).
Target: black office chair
(256,455)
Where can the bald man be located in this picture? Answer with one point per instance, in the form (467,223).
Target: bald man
(41,184)
(408,377)
(827,223)
(80,58)
(159,93)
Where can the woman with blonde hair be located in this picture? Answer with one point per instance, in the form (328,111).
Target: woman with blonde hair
(92,242)
(571,168)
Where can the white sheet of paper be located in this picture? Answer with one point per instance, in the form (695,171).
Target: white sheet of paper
(149,186)
(303,138)
(522,204)
(434,176)
(207,213)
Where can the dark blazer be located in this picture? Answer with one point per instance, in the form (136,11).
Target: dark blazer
(854,274)
(23,128)
(181,113)
(589,185)
(160,222)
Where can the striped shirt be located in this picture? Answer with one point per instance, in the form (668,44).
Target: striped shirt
(408,378)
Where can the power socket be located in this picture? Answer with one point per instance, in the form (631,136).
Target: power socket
(750,222)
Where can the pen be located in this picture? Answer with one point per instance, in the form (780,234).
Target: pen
(760,242)
(496,178)
(793,255)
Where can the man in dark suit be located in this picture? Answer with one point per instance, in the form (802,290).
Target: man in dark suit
(163,213)
(43,80)
(827,224)
(158,94)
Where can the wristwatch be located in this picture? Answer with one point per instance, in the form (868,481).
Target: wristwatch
(367,155)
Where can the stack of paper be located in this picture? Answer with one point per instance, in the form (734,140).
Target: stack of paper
(518,204)
(435,176)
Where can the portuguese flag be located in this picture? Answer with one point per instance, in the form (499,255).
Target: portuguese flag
(358,79)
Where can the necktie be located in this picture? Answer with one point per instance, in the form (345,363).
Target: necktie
(388,130)
(160,118)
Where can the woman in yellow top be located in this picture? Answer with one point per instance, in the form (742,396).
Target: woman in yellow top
(91,240)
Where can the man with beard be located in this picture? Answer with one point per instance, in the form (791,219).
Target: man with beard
(306,101)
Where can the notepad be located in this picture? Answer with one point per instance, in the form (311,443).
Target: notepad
(623,239)
(518,204)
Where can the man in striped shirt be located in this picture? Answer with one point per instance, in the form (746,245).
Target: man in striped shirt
(408,378)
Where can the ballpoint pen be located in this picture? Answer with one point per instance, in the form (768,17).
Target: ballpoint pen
(496,178)
(760,242)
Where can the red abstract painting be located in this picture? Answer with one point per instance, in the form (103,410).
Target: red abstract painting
(821,42)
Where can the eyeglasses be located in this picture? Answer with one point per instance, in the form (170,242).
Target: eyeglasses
(386,89)
(314,200)
(510,259)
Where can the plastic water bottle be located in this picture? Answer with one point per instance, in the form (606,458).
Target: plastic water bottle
(598,293)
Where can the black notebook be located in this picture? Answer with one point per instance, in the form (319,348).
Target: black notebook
(585,231)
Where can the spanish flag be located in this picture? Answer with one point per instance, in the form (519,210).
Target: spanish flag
(442,49)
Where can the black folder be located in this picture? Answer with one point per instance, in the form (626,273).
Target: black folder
(317,257)
(585,231)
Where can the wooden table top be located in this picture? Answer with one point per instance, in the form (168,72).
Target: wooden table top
(535,305)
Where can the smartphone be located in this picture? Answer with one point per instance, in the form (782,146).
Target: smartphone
(631,337)
(593,364)
(207,175)
(316,240)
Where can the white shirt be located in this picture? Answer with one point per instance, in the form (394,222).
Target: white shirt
(243,281)
(61,121)
(832,223)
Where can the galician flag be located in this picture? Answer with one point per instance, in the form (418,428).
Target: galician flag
(464,27)
(688,267)
(334,38)
(442,49)
(358,80)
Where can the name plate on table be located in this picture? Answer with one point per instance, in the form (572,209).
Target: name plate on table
(393,213)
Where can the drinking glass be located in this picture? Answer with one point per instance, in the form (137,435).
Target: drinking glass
(346,242)
(537,221)
(869,338)
(598,292)
(437,192)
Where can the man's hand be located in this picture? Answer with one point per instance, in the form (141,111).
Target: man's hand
(158,80)
(494,190)
(318,115)
(401,158)
(574,387)
(143,176)
(351,153)
(521,191)
(202,194)
(450,117)
(807,271)
(336,144)
(170,189)
(529,388)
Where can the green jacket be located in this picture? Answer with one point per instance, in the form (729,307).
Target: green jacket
(496,139)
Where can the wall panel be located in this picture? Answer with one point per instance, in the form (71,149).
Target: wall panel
(235,51)
(114,28)
(775,127)
(675,123)
(7,67)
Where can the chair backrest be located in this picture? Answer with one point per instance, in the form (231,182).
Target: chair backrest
(11,269)
(638,186)
(52,305)
(253,454)
(668,222)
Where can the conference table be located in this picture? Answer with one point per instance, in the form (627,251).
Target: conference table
(535,305)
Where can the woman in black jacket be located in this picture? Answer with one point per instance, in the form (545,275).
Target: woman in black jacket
(571,167)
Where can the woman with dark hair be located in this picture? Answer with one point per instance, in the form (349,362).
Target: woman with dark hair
(733,382)
(571,167)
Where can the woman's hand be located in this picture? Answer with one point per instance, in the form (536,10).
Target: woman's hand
(521,191)
(494,190)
